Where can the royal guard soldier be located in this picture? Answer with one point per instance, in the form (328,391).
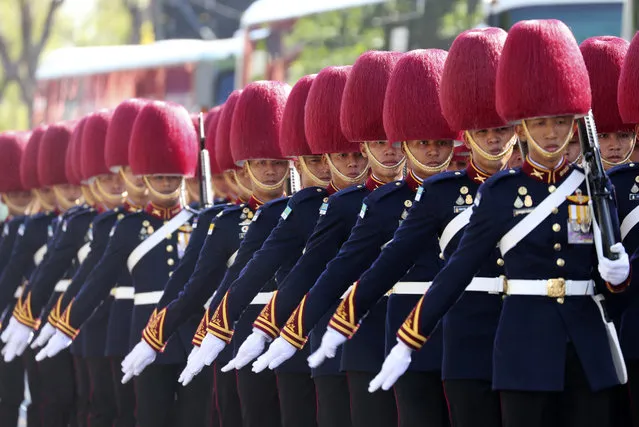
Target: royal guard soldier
(461,157)
(17,199)
(553,362)
(468,334)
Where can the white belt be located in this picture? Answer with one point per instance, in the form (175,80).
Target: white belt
(62,285)
(411,288)
(554,288)
(123,292)
(493,285)
(146,298)
(18,292)
(262,298)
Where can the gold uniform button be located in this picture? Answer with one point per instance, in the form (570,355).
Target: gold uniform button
(170,261)
(557,246)
(500,262)
(552,189)
(561,262)
(169,248)
(556,228)
(441,255)
(555,211)
(120,216)
(169,236)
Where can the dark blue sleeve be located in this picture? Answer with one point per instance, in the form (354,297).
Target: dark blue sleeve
(7,242)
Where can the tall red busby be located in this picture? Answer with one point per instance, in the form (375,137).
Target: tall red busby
(29,163)
(92,145)
(467,95)
(74,173)
(411,106)
(604,57)
(52,155)
(116,151)
(628,88)
(223,154)
(322,113)
(541,72)
(255,129)
(362,109)
(211,122)
(293,141)
(12,147)
(163,141)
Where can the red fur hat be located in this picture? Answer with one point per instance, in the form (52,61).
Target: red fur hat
(116,151)
(541,72)
(411,105)
(163,141)
(74,174)
(210,125)
(604,57)
(628,88)
(322,113)
(92,145)
(223,154)
(362,109)
(52,167)
(293,141)
(255,130)
(12,147)
(29,162)
(467,93)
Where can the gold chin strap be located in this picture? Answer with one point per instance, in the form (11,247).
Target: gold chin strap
(243,189)
(373,159)
(316,181)
(13,207)
(256,182)
(138,189)
(492,157)
(625,160)
(46,206)
(548,154)
(347,179)
(429,170)
(176,194)
(62,201)
(88,194)
(114,199)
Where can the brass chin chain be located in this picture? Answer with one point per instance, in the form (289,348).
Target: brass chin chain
(373,159)
(130,184)
(341,176)
(264,187)
(21,210)
(314,178)
(429,170)
(165,197)
(62,201)
(492,157)
(113,199)
(545,153)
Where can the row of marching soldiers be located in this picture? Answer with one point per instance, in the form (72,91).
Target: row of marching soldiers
(431,297)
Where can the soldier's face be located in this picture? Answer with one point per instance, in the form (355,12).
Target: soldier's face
(318,167)
(269,172)
(350,164)
(493,140)
(431,152)
(193,187)
(574,149)
(47,195)
(112,184)
(138,188)
(516,159)
(69,192)
(246,188)
(388,155)
(165,184)
(549,133)
(20,199)
(616,146)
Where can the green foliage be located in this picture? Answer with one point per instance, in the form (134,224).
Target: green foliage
(460,19)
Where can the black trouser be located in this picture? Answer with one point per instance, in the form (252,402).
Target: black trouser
(575,406)
(58,390)
(633,390)
(298,403)
(473,403)
(421,400)
(82,390)
(162,401)
(103,409)
(333,401)
(11,391)
(227,400)
(215,416)
(258,398)
(124,395)
(34,411)
(370,409)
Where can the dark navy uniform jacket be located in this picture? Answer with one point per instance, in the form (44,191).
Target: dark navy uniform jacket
(337,217)
(7,240)
(278,253)
(264,222)
(224,235)
(469,326)
(533,332)
(379,217)
(180,276)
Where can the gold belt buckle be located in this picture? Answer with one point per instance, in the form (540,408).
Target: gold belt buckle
(556,288)
(504,282)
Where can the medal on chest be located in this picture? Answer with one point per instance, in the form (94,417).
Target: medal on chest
(579,219)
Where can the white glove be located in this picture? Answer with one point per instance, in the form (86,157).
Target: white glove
(615,272)
(6,335)
(252,347)
(331,340)
(137,360)
(44,336)
(17,341)
(394,366)
(193,352)
(209,350)
(56,344)
(279,352)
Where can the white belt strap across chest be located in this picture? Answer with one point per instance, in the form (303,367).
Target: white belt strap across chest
(154,239)
(83,252)
(629,222)
(541,212)
(38,256)
(453,227)
(123,292)
(62,285)
(553,288)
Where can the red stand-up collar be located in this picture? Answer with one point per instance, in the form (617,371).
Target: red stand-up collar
(541,174)
(373,183)
(475,173)
(331,189)
(254,203)
(413,181)
(163,213)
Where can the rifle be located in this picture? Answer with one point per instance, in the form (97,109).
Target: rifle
(206,189)
(598,186)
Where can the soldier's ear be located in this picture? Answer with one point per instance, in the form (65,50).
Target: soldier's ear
(362,149)
(465,141)
(298,166)
(519,130)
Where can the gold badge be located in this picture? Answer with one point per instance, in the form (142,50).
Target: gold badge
(469,199)
(145,223)
(463,190)
(250,215)
(408,203)
(522,191)
(150,230)
(459,201)
(634,189)
(578,198)
(528,202)
(637,178)
(245,210)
